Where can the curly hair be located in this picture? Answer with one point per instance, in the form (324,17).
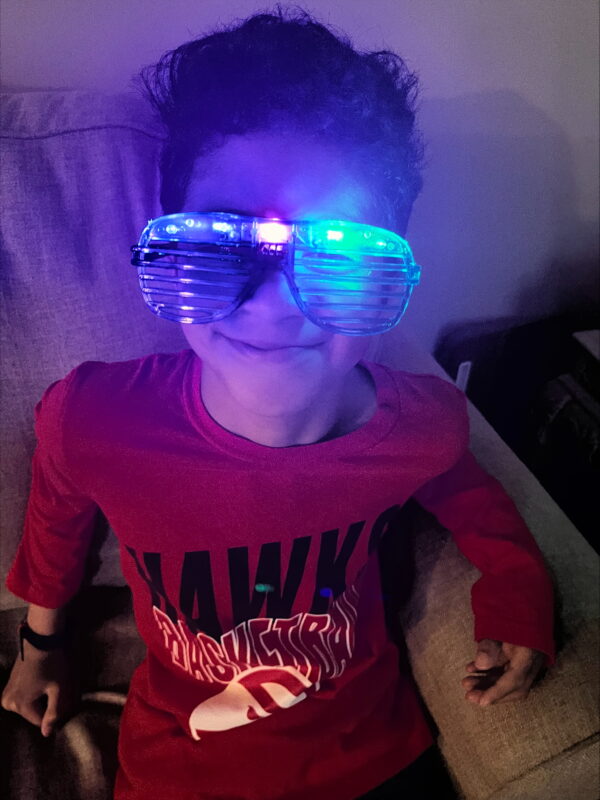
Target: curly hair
(286,71)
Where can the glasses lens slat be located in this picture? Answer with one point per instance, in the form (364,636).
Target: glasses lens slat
(157,277)
(355,306)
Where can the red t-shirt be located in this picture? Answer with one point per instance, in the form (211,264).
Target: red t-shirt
(270,672)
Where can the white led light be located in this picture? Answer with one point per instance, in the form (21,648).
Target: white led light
(273,232)
(335,236)
(171,229)
(224,227)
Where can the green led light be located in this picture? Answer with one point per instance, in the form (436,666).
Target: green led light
(264,587)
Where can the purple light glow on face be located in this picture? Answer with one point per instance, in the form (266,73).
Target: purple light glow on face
(279,397)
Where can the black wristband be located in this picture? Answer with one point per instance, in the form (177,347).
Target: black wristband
(52,641)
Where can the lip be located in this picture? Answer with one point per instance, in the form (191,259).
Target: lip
(269,352)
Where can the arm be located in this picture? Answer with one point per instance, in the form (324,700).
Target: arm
(59,522)
(513,599)
(49,565)
(46,621)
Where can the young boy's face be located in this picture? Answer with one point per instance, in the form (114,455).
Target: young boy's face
(283,176)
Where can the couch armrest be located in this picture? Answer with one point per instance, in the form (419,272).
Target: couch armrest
(544,747)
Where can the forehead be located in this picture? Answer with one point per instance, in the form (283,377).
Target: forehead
(281,175)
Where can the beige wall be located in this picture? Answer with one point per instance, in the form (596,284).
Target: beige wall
(507,223)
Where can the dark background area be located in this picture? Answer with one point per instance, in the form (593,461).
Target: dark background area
(539,387)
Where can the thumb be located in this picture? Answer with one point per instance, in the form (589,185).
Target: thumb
(488,653)
(51,714)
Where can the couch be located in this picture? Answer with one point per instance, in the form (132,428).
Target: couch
(79,181)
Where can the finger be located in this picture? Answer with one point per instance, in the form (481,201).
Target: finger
(488,654)
(483,680)
(475,682)
(512,681)
(472,667)
(513,697)
(50,717)
(476,697)
(32,712)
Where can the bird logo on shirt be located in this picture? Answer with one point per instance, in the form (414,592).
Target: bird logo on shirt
(253,694)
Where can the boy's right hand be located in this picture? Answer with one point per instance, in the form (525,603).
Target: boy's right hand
(40,688)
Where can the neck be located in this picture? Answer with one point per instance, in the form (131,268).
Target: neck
(345,406)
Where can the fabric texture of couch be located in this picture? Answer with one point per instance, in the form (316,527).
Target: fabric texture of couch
(79,181)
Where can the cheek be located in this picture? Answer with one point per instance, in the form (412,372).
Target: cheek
(199,339)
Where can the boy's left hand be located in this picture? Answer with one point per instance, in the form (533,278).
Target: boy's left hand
(503,672)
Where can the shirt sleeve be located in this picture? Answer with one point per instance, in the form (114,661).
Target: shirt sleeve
(50,561)
(512,601)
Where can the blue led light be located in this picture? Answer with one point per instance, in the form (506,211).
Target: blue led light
(224,227)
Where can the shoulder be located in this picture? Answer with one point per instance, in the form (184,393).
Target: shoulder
(146,369)
(431,391)
(433,408)
(126,375)
(94,386)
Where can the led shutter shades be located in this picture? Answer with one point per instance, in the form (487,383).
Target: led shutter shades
(346,277)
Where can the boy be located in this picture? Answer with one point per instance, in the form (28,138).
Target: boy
(251,478)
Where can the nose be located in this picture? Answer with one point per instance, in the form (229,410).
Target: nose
(273,297)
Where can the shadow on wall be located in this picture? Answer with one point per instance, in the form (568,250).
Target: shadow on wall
(497,228)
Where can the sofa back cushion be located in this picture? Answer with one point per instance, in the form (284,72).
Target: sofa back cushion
(79,180)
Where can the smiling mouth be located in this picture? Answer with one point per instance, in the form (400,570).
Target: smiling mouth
(270,348)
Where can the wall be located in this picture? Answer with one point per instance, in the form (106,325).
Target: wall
(507,223)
